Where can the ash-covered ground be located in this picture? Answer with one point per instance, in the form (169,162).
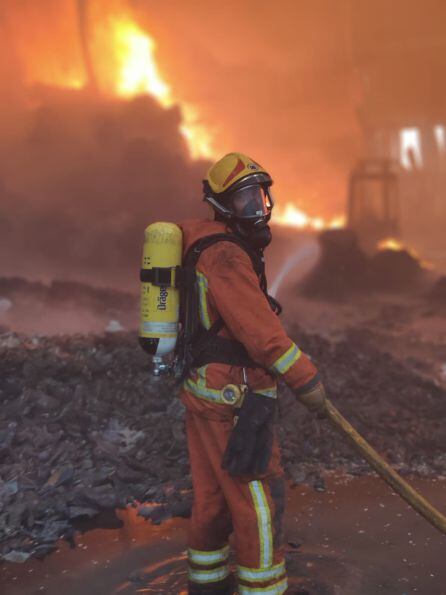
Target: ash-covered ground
(84,428)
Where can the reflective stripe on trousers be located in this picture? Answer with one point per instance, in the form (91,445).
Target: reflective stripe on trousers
(263,522)
(252,510)
(203,577)
(200,562)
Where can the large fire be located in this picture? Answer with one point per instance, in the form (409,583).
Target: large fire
(136,72)
(127,67)
(292,216)
(137,69)
(116,57)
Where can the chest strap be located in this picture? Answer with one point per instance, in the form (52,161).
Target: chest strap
(209,348)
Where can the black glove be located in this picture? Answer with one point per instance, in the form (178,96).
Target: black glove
(250,444)
(263,448)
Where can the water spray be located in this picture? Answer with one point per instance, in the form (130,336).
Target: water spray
(308,254)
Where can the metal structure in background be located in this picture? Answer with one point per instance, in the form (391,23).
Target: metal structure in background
(373,210)
(402,108)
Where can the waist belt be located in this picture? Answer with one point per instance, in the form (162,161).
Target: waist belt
(219,350)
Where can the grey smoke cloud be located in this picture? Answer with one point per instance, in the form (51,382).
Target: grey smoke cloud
(82,178)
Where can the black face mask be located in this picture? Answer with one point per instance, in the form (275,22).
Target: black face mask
(257,236)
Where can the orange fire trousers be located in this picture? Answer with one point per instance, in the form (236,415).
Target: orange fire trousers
(249,507)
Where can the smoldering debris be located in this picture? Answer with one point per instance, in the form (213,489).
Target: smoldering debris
(82,176)
(340,266)
(394,270)
(344,269)
(84,428)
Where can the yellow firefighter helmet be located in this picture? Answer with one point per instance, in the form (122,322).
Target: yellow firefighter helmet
(237,187)
(232,168)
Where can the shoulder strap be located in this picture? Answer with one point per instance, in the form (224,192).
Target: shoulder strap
(193,346)
(258,263)
(190,262)
(194,252)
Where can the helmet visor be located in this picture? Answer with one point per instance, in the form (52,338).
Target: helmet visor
(252,202)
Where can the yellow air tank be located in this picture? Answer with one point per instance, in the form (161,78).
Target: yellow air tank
(160,299)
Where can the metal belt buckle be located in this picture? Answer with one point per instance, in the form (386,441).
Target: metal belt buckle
(233,394)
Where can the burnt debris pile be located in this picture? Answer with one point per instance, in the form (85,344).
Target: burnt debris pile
(344,268)
(90,171)
(397,410)
(84,428)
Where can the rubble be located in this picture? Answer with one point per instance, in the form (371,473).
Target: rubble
(344,269)
(84,428)
(341,266)
(394,270)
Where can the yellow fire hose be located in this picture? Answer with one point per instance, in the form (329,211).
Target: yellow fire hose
(401,487)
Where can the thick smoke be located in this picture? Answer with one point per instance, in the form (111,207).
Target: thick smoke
(275,80)
(305,85)
(295,84)
(81,181)
(81,175)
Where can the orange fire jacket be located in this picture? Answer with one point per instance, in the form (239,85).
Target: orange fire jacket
(229,288)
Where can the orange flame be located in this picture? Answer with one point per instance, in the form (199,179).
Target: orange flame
(137,69)
(131,51)
(123,60)
(391,244)
(292,216)
(398,246)
(123,63)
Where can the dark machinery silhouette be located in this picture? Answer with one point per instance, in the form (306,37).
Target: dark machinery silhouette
(373,211)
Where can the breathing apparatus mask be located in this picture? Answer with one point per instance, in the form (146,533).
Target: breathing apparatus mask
(246,208)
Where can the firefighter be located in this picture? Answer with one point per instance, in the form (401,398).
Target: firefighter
(230,392)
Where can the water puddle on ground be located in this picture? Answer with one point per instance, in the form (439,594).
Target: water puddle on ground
(356,538)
